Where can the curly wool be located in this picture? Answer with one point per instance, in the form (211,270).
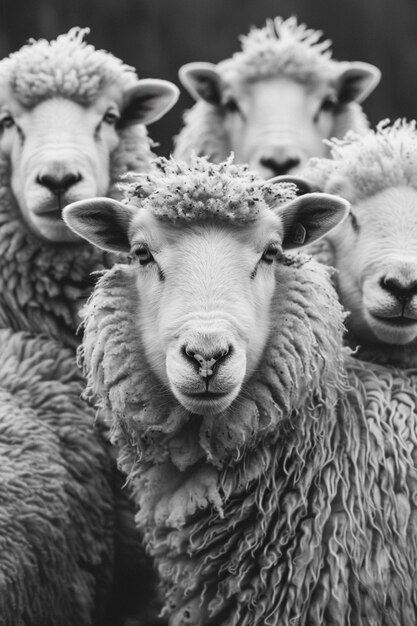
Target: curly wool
(200,189)
(66,67)
(384,158)
(282,47)
(47,443)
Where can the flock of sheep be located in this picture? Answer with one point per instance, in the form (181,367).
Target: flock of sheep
(237,444)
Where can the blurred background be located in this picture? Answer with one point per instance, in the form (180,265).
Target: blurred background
(158,36)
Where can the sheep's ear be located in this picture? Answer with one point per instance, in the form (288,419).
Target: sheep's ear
(310,217)
(201,80)
(303,185)
(147,101)
(357,81)
(102,221)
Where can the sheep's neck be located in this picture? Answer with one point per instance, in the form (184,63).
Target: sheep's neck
(383,353)
(41,286)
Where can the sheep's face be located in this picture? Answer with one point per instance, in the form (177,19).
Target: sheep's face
(376,258)
(60,151)
(277,139)
(203,289)
(276,123)
(205,300)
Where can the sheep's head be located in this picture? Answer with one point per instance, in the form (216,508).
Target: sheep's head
(280,96)
(63,107)
(204,241)
(375,251)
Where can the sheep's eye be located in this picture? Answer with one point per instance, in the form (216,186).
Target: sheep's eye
(231,106)
(328,104)
(6,121)
(354,222)
(111,117)
(270,254)
(143,255)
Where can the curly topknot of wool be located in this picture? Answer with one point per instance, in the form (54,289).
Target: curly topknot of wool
(384,158)
(200,190)
(281,47)
(65,67)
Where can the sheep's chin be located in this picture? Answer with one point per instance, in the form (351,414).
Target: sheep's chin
(51,227)
(393,330)
(44,219)
(205,404)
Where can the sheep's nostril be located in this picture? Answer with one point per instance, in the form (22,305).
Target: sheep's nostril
(278,167)
(207,362)
(403,292)
(221,354)
(188,353)
(58,184)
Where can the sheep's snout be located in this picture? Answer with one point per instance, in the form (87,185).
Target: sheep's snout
(50,183)
(206,361)
(390,301)
(59,183)
(401,288)
(206,371)
(277,160)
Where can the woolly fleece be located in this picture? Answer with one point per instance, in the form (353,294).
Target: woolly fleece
(297,504)
(63,509)
(66,67)
(55,490)
(383,158)
(201,190)
(282,47)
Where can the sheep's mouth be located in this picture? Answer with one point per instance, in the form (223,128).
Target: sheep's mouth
(208,395)
(51,214)
(206,402)
(397,321)
(52,209)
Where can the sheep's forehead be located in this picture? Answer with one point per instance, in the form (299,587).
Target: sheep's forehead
(160,233)
(66,67)
(50,113)
(264,87)
(389,205)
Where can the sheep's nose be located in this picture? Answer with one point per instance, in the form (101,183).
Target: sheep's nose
(206,361)
(58,184)
(278,167)
(403,291)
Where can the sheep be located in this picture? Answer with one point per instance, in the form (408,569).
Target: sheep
(72,123)
(266,494)
(375,252)
(273,102)
(275,473)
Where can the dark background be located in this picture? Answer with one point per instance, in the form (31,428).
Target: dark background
(158,36)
